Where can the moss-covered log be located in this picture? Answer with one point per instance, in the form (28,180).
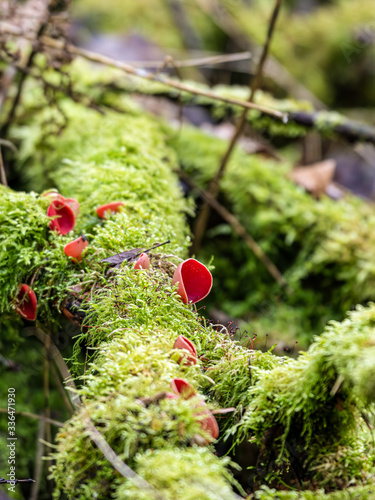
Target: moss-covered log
(303,413)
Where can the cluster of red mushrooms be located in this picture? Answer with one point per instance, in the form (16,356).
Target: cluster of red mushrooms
(193,280)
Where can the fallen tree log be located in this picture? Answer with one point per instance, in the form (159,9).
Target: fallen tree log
(302,413)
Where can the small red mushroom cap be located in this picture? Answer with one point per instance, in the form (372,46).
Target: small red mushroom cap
(182,388)
(171,395)
(26,303)
(194,281)
(75,248)
(109,207)
(208,421)
(65,220)
(74,205)
(143,262)
(183,343)
(72,202)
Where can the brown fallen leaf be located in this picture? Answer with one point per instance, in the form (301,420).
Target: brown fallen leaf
(314,178)
(129,255)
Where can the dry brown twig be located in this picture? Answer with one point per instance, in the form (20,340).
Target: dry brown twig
(213,187)
(239,229)
(141,73)
(116,461)
(34,416)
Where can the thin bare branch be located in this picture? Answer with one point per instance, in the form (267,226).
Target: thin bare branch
(61,389)
(141,73)
(196,62)
(38,460)
(116,461)
(23,75)
(239,229)
(55,354)
(213,188)
(35,416)
(3,176)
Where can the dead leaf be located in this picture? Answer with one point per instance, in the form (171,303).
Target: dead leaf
(130,255)
(314,178)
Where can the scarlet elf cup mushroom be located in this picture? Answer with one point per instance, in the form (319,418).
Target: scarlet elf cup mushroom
(25,303)
(143,262)
(64,219)
(190,358)
(194,281)
(183,389)
(109,208)
(75,248)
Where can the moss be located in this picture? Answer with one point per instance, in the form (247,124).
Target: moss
(175,475)
(359,493)
(132,319)
(314,403)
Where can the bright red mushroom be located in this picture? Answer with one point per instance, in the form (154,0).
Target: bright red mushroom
(143,262)
(182,388)
(110,208)
(208,421)
(75,248)
(74,205)
(64,220)
(183,343)
(26,303)
(194,281)
(171,395)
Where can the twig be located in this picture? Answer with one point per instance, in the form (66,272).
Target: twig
(239,229)
(199,61)
(141,73)
(46,387)
(61,389)
(8,121)
(77,97)
(55,354)
(3,177)
(5,481)
(38,460)
(352,131)
(116,461)
(213,188)
(273,69)
(34,415)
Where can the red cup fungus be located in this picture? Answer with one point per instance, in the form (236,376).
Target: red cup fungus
(75,248)
(110,208)
(183,343)
(26,304)
(64,220)
(208,421)
(171,395)
(74,205)
(143,262)
(72,202)
(194,281)
(182,388)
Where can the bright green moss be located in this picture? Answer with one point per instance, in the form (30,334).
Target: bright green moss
(177,474)
(315,402)
(354,493)
(132,320)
